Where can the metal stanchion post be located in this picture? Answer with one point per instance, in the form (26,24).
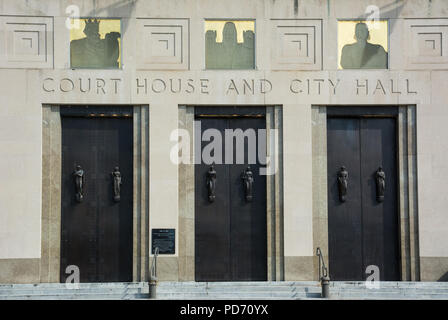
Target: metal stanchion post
(325,282)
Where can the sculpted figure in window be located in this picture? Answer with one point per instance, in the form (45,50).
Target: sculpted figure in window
(229,54)
(362,54)
(94,52)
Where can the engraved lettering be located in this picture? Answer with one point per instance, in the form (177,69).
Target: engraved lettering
(392,87)
(100,83)
(232,86)
(407,87)
(319,81)
(293,88)
(178,87)
(250,88)
(267,87)
(71,85)
(359,86)
(334,85)
(80,86)
(190,86)
(46,88)
(379,86)
(116,84)
(162,88)
(144,85)
(204,86)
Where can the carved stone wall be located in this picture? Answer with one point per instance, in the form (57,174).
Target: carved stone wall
(163,44)
(297,44)
(427,40)
(26,42)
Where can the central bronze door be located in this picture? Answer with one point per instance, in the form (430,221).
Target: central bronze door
(97,187)
(362,196)
(230,207)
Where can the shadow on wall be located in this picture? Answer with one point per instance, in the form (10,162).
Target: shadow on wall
(122,8)
(444,278)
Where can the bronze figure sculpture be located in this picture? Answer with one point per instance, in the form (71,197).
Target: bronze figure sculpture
(342,184)
(116,174)
(78,175)
(380,177)
(248,180)
(211,183)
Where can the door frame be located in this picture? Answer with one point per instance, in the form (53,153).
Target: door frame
(51,192)
(274,204)
(407,180)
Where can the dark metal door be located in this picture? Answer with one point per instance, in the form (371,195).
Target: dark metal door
(97,232)
(363,229)
(231,231)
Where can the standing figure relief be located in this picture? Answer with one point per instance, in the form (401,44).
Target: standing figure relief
(342,183)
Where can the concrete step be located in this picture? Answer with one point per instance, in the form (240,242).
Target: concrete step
(72,291)
(240,289)
(94,296)
(300,289)
(240,284)
(391,284)
(80,285)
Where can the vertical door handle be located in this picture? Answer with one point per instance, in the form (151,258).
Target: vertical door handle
(211,183)
(342,184)
(78,176)
(116,175)
(380,178)
(248,181)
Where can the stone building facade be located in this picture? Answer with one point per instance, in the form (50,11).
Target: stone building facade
(288,66)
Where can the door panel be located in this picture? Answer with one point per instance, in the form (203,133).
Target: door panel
(362,231)
(79,220)
(380,219)
(212,223)
(97,233)
(248,219)
(230,233)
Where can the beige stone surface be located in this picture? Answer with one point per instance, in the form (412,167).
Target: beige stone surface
(434,268)
(299,268)
(19,270)
(298,227)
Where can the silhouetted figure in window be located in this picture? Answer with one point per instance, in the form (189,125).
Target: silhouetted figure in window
(94,52)
(362,54)
(246,50)
(229,45)
(211,53)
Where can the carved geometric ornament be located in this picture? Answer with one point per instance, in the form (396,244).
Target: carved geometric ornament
(26,42)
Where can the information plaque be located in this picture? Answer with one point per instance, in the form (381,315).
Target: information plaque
(165,239)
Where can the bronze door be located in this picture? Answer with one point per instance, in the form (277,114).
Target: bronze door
(96,208)
(362,198)
(230,228)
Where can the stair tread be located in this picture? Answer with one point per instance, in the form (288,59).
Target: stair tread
(267,290)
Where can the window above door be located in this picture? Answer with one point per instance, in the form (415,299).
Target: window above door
(95,43)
